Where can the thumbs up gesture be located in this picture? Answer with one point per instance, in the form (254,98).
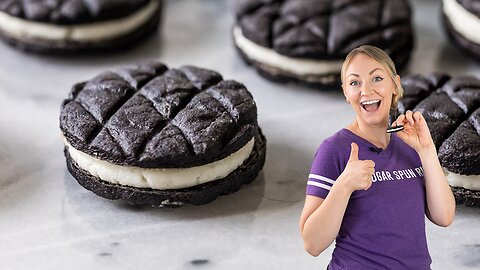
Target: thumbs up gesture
(358,173)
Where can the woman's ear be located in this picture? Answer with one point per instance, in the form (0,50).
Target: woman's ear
(397,82)
(345,94)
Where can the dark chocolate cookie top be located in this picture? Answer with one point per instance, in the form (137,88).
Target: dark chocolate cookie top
(154,117)
(451,107)
(472,6)
(326,29)
(71,11)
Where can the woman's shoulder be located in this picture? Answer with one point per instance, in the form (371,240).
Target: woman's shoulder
(338,138)
(335,144)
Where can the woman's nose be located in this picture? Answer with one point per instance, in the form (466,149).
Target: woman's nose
(366,89)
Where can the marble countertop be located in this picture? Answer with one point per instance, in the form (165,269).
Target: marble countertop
(47,221)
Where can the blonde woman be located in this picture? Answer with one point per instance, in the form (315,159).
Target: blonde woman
(368,189)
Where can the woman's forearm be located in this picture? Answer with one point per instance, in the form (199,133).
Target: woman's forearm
(440,200)
(322,226)
(321,220)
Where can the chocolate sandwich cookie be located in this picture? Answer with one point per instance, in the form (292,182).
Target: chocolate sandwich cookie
(461,19)
(151,135)
(56,26)
(307,40)
(451,107)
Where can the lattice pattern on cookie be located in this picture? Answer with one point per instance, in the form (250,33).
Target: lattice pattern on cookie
(327,29)
(70,11)
(152,116)
(451,107)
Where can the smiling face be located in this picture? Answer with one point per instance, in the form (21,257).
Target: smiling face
(369,88)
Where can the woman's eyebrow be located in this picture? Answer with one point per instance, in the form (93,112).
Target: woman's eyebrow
(353,74)
(373,70)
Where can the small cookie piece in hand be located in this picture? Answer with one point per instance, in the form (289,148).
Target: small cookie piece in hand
(451,108)
(164,137)
(307,40)
(48,26)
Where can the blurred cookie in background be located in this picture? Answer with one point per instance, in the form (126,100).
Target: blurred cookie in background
(307,40)
(461,20)
(67,26)
(451,107)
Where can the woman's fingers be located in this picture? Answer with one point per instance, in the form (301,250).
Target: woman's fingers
(409,116)
(420,122)
(369,185)
(400,120)
(416,116)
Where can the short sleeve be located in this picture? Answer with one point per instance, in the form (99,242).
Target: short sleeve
(324,171)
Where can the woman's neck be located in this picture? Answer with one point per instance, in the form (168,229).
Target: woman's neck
(375,134)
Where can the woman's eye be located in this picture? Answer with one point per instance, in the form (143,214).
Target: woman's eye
(377,79)
(354,83)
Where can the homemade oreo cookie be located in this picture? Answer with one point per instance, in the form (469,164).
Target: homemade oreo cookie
(307,40)
(151,135)
(54,26)
(451,107)
(461,20)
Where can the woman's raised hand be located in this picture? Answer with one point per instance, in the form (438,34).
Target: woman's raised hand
(415,132)
(358,173)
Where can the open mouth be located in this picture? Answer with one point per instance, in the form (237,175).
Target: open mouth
(370,105)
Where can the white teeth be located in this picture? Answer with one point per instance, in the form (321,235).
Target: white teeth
(370,101)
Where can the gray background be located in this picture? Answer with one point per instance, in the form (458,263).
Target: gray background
(47,221)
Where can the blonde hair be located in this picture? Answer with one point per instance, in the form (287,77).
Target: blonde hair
(383,59)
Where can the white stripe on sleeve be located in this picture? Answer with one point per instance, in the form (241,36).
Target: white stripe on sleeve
(319,177)
(320,185)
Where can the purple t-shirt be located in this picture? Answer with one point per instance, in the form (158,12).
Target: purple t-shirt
(384,226)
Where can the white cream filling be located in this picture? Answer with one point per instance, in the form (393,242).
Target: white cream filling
(269,57)
(162,178)
(471,182)
(21,28)
(464,22)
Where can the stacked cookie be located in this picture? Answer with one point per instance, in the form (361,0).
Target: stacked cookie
(54,26)
(451,107)
(307,40)
(163,137)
